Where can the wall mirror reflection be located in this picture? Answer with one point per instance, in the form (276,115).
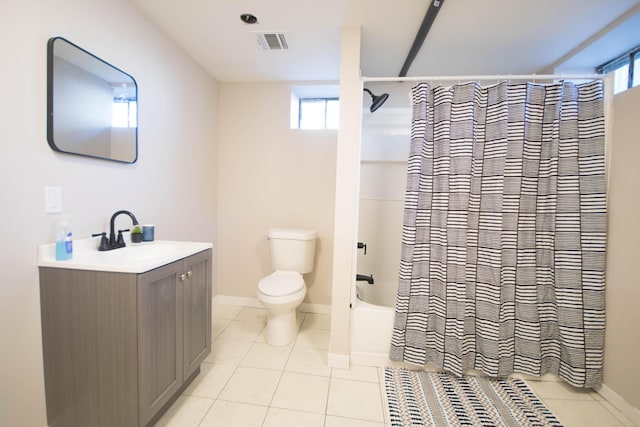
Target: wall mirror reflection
(91,105)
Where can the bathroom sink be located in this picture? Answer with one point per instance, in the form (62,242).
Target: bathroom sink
(134,258)
(142,252)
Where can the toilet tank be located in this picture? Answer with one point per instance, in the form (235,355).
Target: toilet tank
(292,249)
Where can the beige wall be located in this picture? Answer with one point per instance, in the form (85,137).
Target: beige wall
(173,183)
(622,341)
(270,176)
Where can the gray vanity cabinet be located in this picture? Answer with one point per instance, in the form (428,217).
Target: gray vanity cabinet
(120,347)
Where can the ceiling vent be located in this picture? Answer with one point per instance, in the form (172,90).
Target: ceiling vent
(272,41)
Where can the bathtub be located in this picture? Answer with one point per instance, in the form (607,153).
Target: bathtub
(372,315)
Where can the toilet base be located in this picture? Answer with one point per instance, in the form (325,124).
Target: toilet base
(281,328)
(282,322)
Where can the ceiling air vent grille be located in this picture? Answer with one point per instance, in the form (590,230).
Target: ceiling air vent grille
(272,41)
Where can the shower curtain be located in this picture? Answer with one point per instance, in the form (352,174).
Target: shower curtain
(503,244)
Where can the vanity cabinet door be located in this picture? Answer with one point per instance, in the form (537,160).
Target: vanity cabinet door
(89,339)
(174,329)
(160,338)
(197,310)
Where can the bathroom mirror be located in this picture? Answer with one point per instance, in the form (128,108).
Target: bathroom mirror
(91,105)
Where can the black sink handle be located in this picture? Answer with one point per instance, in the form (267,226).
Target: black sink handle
(104,242)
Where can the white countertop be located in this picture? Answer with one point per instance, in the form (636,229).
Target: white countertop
(133,258)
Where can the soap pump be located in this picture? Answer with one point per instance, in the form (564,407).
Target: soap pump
(64,241)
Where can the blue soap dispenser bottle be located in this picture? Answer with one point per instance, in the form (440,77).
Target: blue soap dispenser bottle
(64,242)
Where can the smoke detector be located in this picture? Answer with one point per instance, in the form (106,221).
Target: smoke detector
(272,40)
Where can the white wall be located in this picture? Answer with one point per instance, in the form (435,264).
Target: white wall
(382,188)
(386,136)
(346,196)
(622,339)
(271,176)
(173,184)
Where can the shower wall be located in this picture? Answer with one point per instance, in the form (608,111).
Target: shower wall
(385,149)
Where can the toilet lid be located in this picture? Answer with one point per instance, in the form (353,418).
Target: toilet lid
(281,283)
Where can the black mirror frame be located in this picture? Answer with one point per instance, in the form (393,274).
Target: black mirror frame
(50,95)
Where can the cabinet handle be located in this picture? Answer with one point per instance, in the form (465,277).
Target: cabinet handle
(189,273)
(183,277)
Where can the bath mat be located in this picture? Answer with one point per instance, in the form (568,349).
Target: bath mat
(419,398)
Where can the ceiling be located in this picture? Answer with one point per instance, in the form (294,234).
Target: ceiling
(468,37)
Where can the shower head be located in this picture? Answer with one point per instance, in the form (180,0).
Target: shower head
(376,101)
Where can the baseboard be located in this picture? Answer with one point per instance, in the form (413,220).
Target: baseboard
(253,302)
(340,361)
(620,404)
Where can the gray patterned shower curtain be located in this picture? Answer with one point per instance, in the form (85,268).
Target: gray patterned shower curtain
(504,236)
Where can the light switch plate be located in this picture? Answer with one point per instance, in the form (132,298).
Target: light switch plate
(52,200)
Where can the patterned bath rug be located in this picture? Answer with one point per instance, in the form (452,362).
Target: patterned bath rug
(419,398)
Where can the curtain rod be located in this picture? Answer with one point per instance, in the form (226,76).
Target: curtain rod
(489,77)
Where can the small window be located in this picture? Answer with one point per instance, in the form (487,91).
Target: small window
(318,113)
(315,107)
(626,69)
(124,113)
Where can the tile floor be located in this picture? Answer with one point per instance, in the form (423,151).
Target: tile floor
(576,407)
(245,382)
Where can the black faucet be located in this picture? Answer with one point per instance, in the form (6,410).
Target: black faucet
(114,242)
(364,278)
(119,241)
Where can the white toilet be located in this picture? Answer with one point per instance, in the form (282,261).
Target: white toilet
(281,292)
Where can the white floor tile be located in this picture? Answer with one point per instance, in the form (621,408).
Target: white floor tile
(228,351)
(261,337)
(186,411)
(211,380)
(262,355)
(582,413)
(224,311)
(234,414)
(333,421)
(357,373)
(277,417)
(310,361)
(355,399)
(302,392)
(242,331)
(251,385)
(313,338)
(316,321)
(259,385)
(251,314)
(217,326)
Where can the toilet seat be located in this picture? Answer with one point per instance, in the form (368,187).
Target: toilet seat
(281,283)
